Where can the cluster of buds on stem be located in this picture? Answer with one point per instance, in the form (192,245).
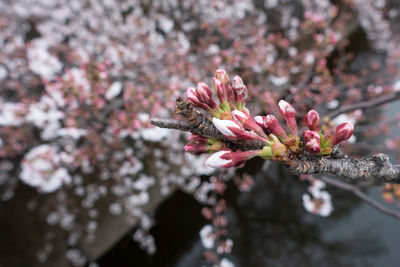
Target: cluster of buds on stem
(231,96)
(233,120)
(319,143)
(271,124)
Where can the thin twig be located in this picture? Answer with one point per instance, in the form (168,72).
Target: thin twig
(365,104)
(356,191)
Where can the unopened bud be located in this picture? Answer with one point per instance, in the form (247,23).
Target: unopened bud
(271,124)
(220,159)
(221,75)
(248,123)
(226,127)
(288,113)
(239,89)
(227,158)
(233,130)
(205,95)
(220,90)
(196,149)
(343,132)
(196,138)
(311,120)
(309,135)
(192,98)
(313,146)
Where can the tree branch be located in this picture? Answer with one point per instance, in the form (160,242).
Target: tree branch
(374,170)
(356,191)
(365,104)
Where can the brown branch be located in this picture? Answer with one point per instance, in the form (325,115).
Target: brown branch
(364,104)
(356,191)
(374,170)
(198,123)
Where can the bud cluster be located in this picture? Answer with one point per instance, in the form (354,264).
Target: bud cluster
(319,143)
(231,96)
(233,120)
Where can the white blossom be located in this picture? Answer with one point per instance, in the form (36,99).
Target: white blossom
(279,81)
(11,114)
(114,90)
(41,168)
(207,236)
(41,61)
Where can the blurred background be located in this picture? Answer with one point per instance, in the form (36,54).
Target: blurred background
(85,180)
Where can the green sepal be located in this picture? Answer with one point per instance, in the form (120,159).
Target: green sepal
(266,153)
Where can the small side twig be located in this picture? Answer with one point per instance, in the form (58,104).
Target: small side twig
(364,105)
(356,191)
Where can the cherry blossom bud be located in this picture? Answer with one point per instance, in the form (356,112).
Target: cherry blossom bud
(220,159)
(220,90)
(311,120)
(309,135)
(271,124)
(198,139)
(233,130)
(226,158)
(226,127)
(191,96)
(259,120)
(205,95)
(343,132)
(248,123)
(313,146)
(196,149)
(239,89)
(288,113)
(221,75)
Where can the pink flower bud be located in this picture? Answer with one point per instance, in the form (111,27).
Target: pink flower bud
(196,149)
(220,90)
(233,130)
(205,95)
(343,132)
(226,127)
(313,146)
(191,96)
(311,120)
(239,89)
(288,113)
(196,138)
(219,159)
(248,123)
(309,135)
(227,158)
(272,125)
(259,120)
(221,75)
